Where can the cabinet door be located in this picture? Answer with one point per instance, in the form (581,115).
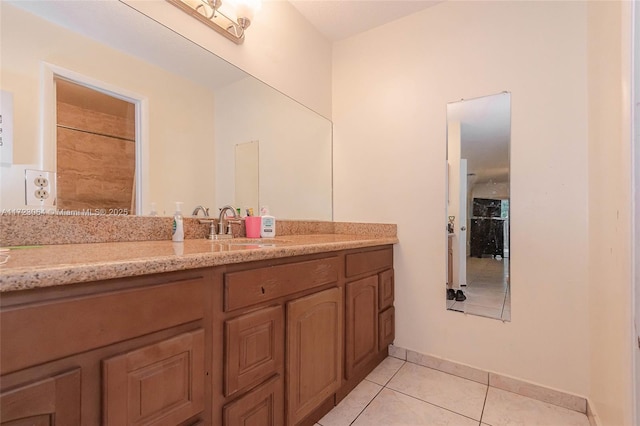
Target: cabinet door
(51,401)
(361,323)
(254,348)
(387,328)
(264,406)
(159,384)
(385,290)
(314,351)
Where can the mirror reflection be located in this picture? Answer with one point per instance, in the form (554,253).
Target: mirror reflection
(478,141)
(194,108)
(95,149)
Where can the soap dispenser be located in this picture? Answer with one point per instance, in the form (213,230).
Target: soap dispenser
(268,226)
(178,226)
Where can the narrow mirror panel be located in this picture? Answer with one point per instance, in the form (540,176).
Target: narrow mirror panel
(478,194)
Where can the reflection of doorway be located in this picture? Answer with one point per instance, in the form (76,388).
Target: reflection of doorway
(48,148)
(487,229)
(95,150)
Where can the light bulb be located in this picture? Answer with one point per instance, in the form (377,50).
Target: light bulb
(247,8)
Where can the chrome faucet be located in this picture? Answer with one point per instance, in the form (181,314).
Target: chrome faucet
(223,212)
(200,208)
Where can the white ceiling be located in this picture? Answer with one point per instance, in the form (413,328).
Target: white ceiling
(339,19)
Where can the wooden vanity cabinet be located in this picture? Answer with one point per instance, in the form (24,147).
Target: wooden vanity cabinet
(266,360)
(369,325)
(117,352)
(267,343)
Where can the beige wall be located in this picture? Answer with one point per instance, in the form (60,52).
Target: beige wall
(295,150)
(391,87)
(609,213)
(27,41)
(281,48)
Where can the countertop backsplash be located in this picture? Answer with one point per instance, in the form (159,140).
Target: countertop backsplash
(47,229)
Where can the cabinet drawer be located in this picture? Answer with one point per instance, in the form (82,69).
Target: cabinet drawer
(246,288)
(254,348)
(65,327)
(368,261)
(386,328)
(385,290)
(263,406)
(159,384)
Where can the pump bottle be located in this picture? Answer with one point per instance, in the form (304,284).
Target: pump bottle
(178,226)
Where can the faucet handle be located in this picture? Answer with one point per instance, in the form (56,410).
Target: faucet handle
(212,227)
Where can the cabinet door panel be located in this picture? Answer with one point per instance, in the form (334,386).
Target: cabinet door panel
(159,384)
(51,401)
(385,291)
(314,351)
(387,328)
(361,323)
(254,348)
(263,406)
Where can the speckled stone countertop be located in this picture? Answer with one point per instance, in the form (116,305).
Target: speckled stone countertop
(47,266)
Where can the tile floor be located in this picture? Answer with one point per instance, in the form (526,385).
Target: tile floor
(402,393)
(488,293)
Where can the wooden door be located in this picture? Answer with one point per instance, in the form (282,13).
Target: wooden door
(48,402)
(314,351)
(159,384)
(361,324)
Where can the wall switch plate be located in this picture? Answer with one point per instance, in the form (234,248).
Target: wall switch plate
(39,188)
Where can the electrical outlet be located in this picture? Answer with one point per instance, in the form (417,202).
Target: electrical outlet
(41,181)
(40,188)
(41,194)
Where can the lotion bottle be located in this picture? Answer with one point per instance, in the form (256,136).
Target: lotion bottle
(178,226)
(268,226)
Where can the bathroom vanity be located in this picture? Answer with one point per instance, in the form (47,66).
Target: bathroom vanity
(223,335)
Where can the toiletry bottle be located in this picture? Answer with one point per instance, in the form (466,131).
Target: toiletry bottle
(178,226)
(154,210)
(268,227)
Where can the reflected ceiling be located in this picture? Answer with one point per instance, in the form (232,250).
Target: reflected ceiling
(136,32)
(486,130)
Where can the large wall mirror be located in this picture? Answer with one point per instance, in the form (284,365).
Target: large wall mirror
(478,141)
(193,110)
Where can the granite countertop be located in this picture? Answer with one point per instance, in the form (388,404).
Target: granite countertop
(52,265)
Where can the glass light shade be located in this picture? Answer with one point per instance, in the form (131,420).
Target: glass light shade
(247,8)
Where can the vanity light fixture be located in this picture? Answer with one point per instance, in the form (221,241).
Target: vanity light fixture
(230,19)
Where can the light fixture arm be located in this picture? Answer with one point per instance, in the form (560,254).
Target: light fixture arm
(208,12)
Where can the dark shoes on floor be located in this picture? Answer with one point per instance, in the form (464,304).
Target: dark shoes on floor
(451,294)
(458,295)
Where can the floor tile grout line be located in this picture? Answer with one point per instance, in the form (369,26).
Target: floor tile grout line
(377,393)
(484,404)
(432,404)
(488,386)
(368,403)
